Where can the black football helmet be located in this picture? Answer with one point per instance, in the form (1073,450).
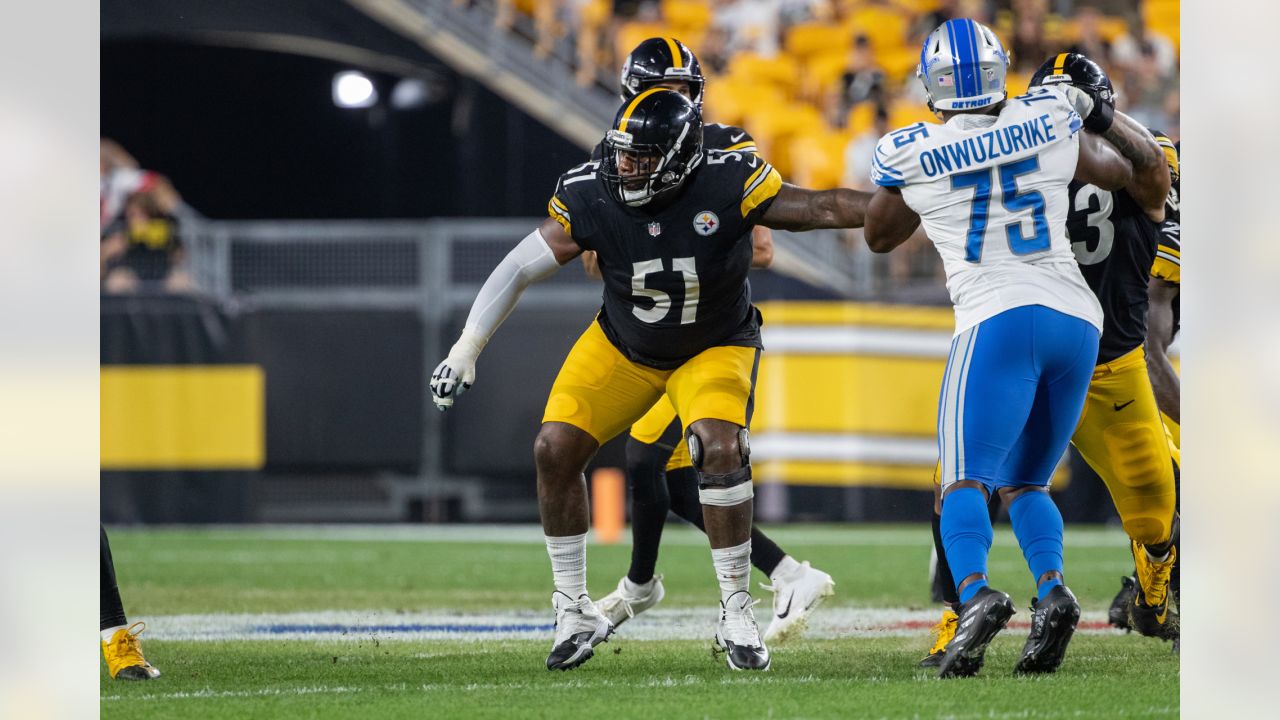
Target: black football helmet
(1078,70)
(662,59)
(654,145)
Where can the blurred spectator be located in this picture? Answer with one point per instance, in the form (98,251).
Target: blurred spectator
(860,151)
(751,25)
(119,177)
(929,21)
(979,10)
(1090,41)
(1030,47)
(714,53)
(1147,89)
(794,12)
(1138,42)
(141,248)
(862,81)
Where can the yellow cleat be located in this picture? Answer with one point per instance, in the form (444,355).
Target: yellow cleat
(942,632)
(124,655)
(1150,613)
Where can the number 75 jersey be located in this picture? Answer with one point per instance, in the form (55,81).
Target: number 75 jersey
(991,192)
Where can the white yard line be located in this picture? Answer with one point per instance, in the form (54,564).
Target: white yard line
(658,624)
(851,535)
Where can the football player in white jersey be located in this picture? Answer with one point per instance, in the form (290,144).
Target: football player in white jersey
(990,186)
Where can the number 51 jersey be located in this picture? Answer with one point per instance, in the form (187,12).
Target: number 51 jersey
(675,277)
(991,192)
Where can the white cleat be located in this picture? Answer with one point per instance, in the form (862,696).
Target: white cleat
(579,628)
(622,604)
(738,636)
(795,596)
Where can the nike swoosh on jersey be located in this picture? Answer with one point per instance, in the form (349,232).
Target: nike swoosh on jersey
(1121,406)
(736,138)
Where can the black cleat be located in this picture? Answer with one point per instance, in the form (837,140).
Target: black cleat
(1118,613)
(579,628)
(981,618)
(1053,622)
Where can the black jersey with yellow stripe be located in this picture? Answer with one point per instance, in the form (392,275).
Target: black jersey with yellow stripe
(1116,246)
(675,276)
(1168,263)
(714,137)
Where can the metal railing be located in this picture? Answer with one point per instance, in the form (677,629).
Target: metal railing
(435,268)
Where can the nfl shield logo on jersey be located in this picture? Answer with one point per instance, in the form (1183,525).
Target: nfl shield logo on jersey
(655,229)
(705,223)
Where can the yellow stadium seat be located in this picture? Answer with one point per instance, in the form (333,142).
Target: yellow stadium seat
(782,71)
(818,159)
(904,113)
(1017,83)
(774,125)
(809,39)
(900,64)
(917,7)
(860,118)
(632,34)
(885,28)
(822,74)
(595,14)
(687,17)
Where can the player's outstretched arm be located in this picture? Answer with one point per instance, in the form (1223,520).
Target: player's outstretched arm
(537,257)
(1151,180)
(889,220)
(1164,380)
(1101,164)
(797,208)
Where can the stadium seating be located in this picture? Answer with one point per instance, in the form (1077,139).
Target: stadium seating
(781,99)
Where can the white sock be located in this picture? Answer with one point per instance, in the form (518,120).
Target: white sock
(636,588)
(733,568)
(787,567)
(106,634)
(569,563)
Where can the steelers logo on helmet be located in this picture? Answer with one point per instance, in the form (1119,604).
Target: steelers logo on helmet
(654,146)
(705,223)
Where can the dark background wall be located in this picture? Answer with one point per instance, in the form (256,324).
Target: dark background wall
(254,134)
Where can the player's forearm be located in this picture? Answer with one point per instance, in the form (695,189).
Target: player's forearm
(1165,383)
(1150,186)
(530,261)
(799,209)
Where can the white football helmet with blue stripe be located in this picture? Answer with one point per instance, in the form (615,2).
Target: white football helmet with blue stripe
(963,66)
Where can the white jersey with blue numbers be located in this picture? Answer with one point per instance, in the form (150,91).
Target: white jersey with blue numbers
(991,191)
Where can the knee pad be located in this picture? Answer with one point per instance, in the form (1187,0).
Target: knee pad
(696,455)
(726,489)
(1143,488)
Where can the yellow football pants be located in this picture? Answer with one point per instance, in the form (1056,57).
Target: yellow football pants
(601,392)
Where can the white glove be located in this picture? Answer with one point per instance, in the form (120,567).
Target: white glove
(1081,101)
(456,373)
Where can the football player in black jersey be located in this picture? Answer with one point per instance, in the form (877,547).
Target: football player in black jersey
(1121,434)
(660,474)
(1162,326)
(671,225)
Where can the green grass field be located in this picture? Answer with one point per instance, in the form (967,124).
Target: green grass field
(191,584)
